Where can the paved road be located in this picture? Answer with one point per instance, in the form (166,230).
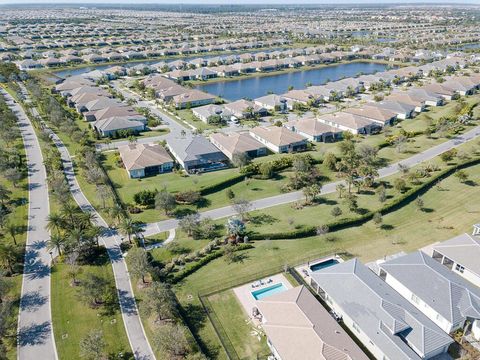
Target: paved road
(155,228)
(111,240)
(175,127)
(35,332)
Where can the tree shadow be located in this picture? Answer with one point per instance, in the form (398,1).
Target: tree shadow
(179,213)
(427,210)
(262,219)
(387,227)
(127,302)
(470,183)
(32,300)
(203,203)
(35,334)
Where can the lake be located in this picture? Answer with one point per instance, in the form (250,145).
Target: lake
(261,85)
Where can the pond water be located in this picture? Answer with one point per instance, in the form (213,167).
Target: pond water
(261,85)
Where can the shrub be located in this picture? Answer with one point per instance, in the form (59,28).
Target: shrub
(145,198)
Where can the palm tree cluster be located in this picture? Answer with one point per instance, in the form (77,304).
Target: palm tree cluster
(73,230)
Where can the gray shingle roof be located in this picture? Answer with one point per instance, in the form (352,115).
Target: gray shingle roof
(390,321)
(197,146)
(446,292)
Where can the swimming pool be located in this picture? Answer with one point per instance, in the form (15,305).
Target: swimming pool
(268,291)
(323,264)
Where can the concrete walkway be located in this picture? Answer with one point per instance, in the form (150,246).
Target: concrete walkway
(35,332)
(155,228)
(111,240)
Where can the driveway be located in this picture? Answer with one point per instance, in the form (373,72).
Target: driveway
(35,332)
(155,228)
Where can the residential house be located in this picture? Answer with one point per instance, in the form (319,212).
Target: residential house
(406,98)
(298,327)
(279,139)
(444,297)
(389,326)
(440,90)
(314,130)
(197,154)
(192,98)
(460,255)
(382,116)
(206,112)
(142,160)
(428,97)
(242,108)
(403,110)
(350,122)
(238,143)
(272,102)
(113,125)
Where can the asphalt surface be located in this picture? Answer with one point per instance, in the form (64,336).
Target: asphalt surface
(166,225)
(35,332)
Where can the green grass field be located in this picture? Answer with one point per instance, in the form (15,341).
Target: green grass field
(72,319)
(451,211)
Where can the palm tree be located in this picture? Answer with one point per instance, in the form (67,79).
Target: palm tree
(4,194)
(54,222)
(56,242)
(129,228)
(95,232)
(117,214)
(75,236)
(12,229)
(69,212)
(8,256)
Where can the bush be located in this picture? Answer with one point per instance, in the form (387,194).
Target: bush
(145,197)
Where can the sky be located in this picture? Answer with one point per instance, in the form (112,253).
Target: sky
(239,2)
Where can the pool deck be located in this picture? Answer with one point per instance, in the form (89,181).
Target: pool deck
(304,269)
(244,292)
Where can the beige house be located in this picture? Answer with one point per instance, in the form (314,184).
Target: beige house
(142,160)
(299,327)
(374,113)
(279,139)
(238,143)
(314,130)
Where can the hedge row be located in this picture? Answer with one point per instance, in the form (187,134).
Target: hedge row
(407,197)
(222,185)
(194,266)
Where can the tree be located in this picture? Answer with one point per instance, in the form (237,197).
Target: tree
(4,195)
(241,159)
(57,243)
(95,289)
(448,155)
(382,194)
(13,230)
(242,207)
(189,223)
(340,190)
(159,301)
(399,185)
(330,161)
(336,211)
(377,219)
(13,175)
(8,256)
(322,230)
(92,346)
(172,339)
(229,193)
(128,228)
(235,227)
(462,176)
(351,202)
(165,201)
(104,193)
(419,203)
(139,265)
(267,170)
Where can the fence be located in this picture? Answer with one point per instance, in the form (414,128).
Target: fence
(220,331)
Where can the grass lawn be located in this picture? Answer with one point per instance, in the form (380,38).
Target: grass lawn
(233,318)
(187,115)
(451,211)
(185,246)
(73,319)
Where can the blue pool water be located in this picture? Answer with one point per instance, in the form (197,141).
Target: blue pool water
(268,291)
(323,264)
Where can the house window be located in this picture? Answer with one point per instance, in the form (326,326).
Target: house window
(415,299)
(459,268)
(355,326)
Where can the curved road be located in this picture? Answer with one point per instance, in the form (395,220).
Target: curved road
(166,225)
(111,240)
(35,333)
